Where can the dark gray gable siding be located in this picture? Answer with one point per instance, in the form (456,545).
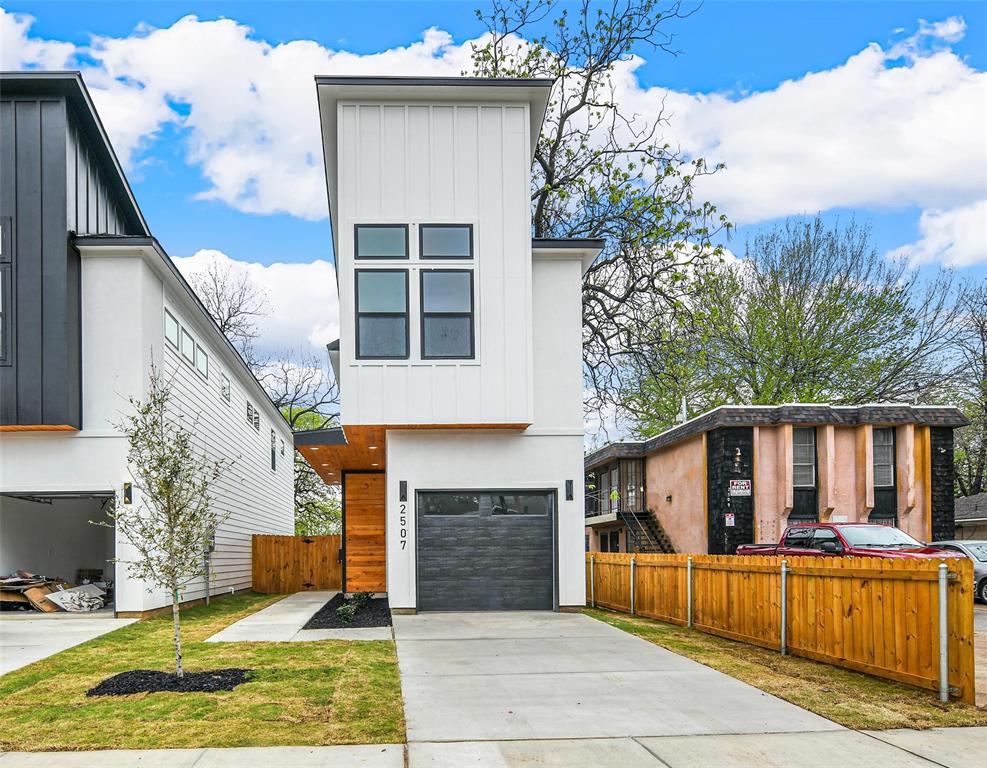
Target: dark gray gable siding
(39,382)
(93,208)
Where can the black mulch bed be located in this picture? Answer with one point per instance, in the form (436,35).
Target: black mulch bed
(153,681)
(376,613)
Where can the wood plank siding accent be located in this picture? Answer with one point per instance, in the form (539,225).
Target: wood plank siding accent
(363,532)
(365,447)
(283,565)
(866,614)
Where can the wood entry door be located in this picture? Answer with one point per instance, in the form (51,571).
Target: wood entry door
(365,560)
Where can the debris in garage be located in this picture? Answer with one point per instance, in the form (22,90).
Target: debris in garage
(23,590)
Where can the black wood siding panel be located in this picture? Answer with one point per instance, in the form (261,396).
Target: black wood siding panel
(8,192)
(943,480)
(485,562)
(41,384)
(92,208)
(721,448)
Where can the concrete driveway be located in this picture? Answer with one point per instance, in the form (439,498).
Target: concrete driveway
(561,689)
(29,637)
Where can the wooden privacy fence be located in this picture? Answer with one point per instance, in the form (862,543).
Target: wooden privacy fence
(873,615)
(286,564)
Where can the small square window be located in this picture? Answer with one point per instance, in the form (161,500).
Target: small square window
(445,241)
(171,328)
(225,387)
(381,241)
(188,346)
(201,360)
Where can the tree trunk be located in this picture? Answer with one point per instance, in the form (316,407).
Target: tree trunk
(179,671)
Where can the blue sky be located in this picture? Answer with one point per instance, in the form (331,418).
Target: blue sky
(876,111)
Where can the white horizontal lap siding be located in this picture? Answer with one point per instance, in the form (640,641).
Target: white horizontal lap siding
(443,163)
(255,498)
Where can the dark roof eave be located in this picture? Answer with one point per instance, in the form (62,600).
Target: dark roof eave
(390,80)
(567,243)
(331,436)
(72,87)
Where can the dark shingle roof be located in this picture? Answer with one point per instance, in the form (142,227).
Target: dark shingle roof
(971,507)
(792,413)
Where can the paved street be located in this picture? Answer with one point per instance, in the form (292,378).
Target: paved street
(980,646)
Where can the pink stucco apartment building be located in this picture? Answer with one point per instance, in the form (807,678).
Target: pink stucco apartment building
(741,474)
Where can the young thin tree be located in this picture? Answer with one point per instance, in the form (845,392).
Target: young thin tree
(601,171)
(173,518)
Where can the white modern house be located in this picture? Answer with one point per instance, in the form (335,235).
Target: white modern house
(459,358)
(88,302)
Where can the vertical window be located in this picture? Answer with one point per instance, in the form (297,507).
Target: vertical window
(884,457)
(256,419)
(447,314)
(224,387)
(282,447)
(615,489)
(445,241)
(250,415)
(201,361)
(381,241)
(381,314)
(188,347)
(274,453)
(171,328)
(632,482)
(804,457)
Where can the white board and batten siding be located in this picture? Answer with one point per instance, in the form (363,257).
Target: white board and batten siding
(256,498)
(412,163)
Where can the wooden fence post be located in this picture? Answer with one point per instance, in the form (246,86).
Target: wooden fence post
(784,607)
(632,586)
(688,591)
(592,580)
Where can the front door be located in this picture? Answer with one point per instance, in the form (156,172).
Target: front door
(364,545)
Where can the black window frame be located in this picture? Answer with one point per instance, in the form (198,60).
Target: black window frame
(894,457)
(423,314)
(406,314)
(396,225)
(225,388)
(421,242)
(178,329)
(815,457)
(274,452)
(200,352)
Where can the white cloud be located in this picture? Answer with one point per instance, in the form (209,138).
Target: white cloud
(248,107)
(303,303)
(956,238)
(893,126)
(19,51)
(887,128)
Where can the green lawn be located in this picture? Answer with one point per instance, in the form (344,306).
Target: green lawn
(849,698)
(304,693)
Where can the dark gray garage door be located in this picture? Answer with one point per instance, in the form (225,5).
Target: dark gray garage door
(486,550)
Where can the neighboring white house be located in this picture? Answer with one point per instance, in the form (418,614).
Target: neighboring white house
(459,359)
(89,301)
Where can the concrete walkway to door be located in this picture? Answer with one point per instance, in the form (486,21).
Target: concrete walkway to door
(512,688)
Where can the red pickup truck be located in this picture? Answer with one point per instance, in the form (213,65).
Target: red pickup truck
(855,539)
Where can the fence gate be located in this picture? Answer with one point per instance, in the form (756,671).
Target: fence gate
(286,564)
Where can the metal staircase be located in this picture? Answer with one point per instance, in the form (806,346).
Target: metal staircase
(645,533)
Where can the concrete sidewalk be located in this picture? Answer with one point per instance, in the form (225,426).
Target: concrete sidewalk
(29,637)
(360,756)
(942,748)
(282,622)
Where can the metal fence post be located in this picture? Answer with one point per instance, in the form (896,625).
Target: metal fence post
(784,607)
(592,580)
(943,633)
(688,591)
(632,585)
